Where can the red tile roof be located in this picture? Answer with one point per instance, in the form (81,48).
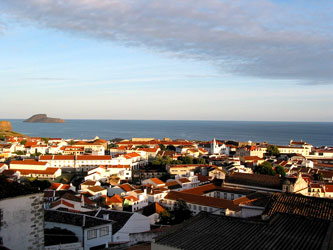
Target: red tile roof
(126,187)
(93,157)
(28,162)
(115,199)
(157,181)
(252,158)
(328,188)
(96,189)
(61,201)
(48,171)
(183,180)
(131,198)
(89,183)
(202,200)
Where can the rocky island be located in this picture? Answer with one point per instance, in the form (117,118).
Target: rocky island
(44,119)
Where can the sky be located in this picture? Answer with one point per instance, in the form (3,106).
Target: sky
(258,60)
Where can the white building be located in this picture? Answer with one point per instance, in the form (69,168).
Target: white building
(32,168)
(217,149)
(22,222)
(91,231)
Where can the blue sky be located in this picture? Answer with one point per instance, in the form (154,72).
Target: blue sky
(222,60)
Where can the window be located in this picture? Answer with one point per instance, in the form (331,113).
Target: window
(225,195)
(232,196)
(104,231)
(92,234)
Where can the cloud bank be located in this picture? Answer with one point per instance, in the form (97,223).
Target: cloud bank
(257,38)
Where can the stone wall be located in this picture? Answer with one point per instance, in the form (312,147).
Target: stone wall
(22,222)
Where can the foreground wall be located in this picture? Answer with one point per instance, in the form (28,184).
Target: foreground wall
(22,222)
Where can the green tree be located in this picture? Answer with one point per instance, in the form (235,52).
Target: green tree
(273,150)
(112,145)
(280,170)
(264,168)
(318,177)
(23,142)
(35,155)
(46,140)
(38,184)
(19,152)
(162,147)
(199,161)
(165,217)
(186,159)
(171,147)
(180,212)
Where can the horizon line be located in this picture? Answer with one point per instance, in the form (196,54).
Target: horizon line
(198,120)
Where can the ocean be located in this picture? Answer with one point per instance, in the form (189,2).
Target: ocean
(280,133)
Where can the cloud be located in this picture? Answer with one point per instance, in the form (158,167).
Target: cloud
(258,38)
(48,79)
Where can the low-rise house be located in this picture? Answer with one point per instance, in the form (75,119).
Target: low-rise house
(73,150)
(255,160)
(303,150)
(135,160)
(327,175)
(115,202)
(220,199)
(155,195)
(325,153)
(73,202)
(328,188)
(184,182)
(32,168)
(124,172)
(124,223)
(60,186)
(92,232)
(173,185)
(251,150)
(184,169)
(132,202)
(96,191)
(197,203)
(216,173)
(153,211)
(80,162)
(150,152)
(267,183)
(96,147)
(316,190)
(157,183)
(88,184)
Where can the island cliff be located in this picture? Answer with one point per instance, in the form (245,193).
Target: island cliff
(43,118)
(5,126)
(6,130)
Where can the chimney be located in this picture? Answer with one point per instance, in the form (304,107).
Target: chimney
(106,216)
